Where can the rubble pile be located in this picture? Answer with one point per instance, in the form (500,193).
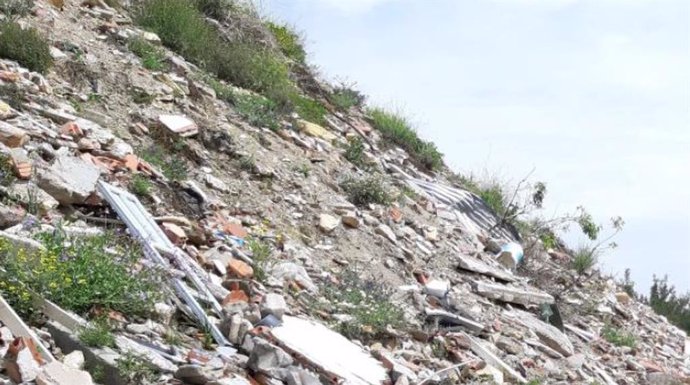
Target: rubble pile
(256,239)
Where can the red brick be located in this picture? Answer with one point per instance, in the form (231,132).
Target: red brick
(235,296)
(240,269)
(235,229)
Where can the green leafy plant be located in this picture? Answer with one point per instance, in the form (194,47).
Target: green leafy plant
(97,334)
(16,8)
(257,110)
(141,185)
(345,97)
(289,41)
(80,273)
(618,337)
(152,57)
(368,304)
(354,152)
(134,370)
(310,109)
(27,46)
(366,190)
(261,253)
(397,130)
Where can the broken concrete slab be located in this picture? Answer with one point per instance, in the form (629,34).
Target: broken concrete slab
(274,304)
(69,180)
(474,265)
(56,373)
(512,295)
(179,125)
(329,352)
(485,354)
(550,335)
(267,358)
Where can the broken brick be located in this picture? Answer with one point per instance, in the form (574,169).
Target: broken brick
(21,164)
(174,232)
(131,162)
(240,269)
(71,129)
(12,136)
(396,214)
(235,296)
(235,230)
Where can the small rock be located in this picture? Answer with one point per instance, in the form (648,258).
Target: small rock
(10,216)
(151,37)
(74,360)
(12,136)
(56,373)
(328,223)
(193,375)
(576,361)
(174,232)
(179,125)
(5,111)
(266,357)
(350,219)
(22,360)
(69,180)
(437,288)
(386,232)
(623,298)
(273,304)
(215,183)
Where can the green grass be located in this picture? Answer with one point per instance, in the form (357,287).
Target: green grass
(618,337)
(397,130)
(261,253)
(354,152)
(26,46)
(289,41)
(248,164)
(171,165)
(584,259)
(494,196)
(134,370)
(152,57)
(257,110)
(366,190)
(16,8)
(80,273)
(97,334)
(182,28)
(140,185)
(310,109)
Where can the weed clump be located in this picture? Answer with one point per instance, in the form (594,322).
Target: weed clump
(261,252)
(182,27)
(80,274)
(134,370)
(26,46)
(584,259)
(618,337)
(97,334)
(172,167)
(366,190)
(345,97)
(140,185)
(152,57)
(354,152)
(368,304)
(310,109)
(289,42)
(257,110)
(397,130)
(16,8)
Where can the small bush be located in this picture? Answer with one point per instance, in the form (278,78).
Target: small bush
(354,152)
(257,110)
(13,95)
(26,46)
(248,164)
(367,302)
(345,97)
(494,197)
(310,109)
(366,190)
(289,41)
(584,259)
(618,337)
(152,57)
(397,130)
(135,370)
(141,185)
(97,334)
(182,27)
(80,273)
(16,8)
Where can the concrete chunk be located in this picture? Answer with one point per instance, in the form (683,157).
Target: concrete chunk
(548,334)
(56,373)
(512,295)
(479,267)
(69,180)
(180,125)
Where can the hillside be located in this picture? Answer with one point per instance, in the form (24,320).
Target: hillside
(185,201)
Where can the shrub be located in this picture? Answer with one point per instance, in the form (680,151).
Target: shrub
(366,190)
(16,8)
(141,185)
(354,152)
(26,46)
(494,197)
(345,97)
(368,304)
(182,27)
(397,130)
(152,57)
(248,164)
(665,301)
(584,259)
(618,337)
(310,109)
(79,274)
(289,41)
(215,9)
(97,334)
(257,110)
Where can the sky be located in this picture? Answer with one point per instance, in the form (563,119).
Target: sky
(594,95)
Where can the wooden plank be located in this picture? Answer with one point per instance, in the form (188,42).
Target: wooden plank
(19,329)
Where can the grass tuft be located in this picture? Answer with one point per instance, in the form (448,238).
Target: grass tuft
(366,190)
(345,97)
(584,259)
(152,57)
(289,41)
(26,46)
(618,337)
(310,109)
(97,334)
(397,130)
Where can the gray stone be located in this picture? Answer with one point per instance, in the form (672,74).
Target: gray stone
(548,334)
(215,183)
(266,357)
(328,223)
(230,381)
(69,180)
(350,219)
(513,295)
(29,192)
(74,360)
(289,271)
(193,374)
(10,216)
(576,361)
(386,232)
(509,345)
(273,304)
(56,373)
